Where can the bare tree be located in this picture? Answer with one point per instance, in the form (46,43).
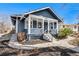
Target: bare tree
(4,27)
(5,23)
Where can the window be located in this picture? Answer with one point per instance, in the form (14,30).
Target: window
(51,25)
(55,25)
(39,25)
(34,24)
(26,24)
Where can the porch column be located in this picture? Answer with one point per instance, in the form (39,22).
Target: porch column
(29,27)
(16,24)
(57,26)
(43,25)
(48,26)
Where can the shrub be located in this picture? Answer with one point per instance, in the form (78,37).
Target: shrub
(63,33)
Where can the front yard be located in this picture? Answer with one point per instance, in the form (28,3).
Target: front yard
(57,48)
(49,51)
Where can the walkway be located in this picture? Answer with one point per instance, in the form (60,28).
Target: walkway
(64,43)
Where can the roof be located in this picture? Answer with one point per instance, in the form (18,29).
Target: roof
(38,10)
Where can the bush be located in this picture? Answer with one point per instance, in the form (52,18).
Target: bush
(63,33)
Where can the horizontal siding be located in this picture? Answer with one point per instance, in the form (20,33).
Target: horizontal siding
(21,26)
(44,13)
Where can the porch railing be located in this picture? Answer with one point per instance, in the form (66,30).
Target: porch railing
(37,31)
(53,31)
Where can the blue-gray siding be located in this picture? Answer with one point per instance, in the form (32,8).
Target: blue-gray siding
(44,13)
(21,26)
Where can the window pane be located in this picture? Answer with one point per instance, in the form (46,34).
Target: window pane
(55,25)
(34,24)
(51,25)
(31,24)
(39,25)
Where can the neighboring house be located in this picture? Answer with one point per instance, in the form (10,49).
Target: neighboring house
(74,27)
(37,22)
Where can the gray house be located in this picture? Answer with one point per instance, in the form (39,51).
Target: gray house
(37,22)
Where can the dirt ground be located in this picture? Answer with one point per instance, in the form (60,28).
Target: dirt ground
(5,50)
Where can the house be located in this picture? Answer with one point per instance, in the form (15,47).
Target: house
(36,23)
(74,27)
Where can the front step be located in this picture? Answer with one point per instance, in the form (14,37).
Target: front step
(48,37)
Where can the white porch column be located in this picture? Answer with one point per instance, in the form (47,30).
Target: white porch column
(17,25)
(57,26)
(29,28)
(48,26)
(43,25)
(29,25)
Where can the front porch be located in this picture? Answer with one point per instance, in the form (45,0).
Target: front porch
(38,25)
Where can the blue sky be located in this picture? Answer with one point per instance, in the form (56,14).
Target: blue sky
(69,12)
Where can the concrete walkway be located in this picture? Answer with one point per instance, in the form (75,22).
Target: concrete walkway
(64,43)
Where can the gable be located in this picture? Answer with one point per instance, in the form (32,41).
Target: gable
(44,13)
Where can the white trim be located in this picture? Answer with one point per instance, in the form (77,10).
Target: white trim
(37,10)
